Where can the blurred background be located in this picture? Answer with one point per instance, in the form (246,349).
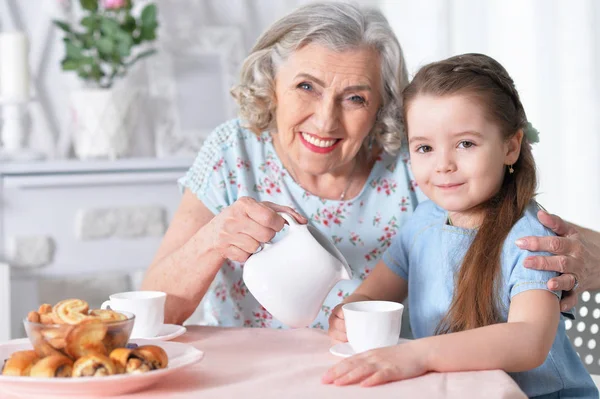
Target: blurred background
(85,194)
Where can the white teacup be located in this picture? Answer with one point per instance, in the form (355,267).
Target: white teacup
(372,324)
(148,307)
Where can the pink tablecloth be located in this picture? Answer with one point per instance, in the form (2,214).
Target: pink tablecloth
(264,363)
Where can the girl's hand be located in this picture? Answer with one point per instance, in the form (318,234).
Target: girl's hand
(239,229)
(337,324)
(378,366)
(577,257)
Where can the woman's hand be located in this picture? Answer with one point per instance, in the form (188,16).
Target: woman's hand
(337,324)
(577,257)
(239,229)
(378,366)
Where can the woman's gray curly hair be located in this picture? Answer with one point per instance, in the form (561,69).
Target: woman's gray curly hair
(339,27)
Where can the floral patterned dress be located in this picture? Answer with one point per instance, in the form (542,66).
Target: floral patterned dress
(234,162)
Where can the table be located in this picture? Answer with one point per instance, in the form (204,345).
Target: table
(267,363)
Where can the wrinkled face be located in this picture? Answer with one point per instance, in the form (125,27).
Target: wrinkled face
(458,156)
(327,104)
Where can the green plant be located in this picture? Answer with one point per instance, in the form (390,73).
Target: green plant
(102,49)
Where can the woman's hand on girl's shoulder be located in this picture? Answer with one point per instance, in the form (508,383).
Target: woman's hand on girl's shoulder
(379,366)
(576,256)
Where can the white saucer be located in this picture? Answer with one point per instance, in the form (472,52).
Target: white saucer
(168,332)
(344,349)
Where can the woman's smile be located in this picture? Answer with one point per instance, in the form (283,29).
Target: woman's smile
(318,144)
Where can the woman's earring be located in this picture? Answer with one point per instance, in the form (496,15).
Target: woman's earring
(510,169)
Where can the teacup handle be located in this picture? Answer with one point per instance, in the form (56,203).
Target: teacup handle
(105,305)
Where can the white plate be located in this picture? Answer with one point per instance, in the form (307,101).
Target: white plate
(344,349)
(180,355)
(169,331)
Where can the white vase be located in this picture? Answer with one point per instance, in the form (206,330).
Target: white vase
(103,122)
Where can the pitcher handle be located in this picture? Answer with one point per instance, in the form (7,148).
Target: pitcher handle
(289,218)
(291,222)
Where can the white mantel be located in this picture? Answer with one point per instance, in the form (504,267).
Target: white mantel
(81,229)
(72,166)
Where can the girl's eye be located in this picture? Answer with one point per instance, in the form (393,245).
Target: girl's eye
(465,144)
(424,149)
(305,86)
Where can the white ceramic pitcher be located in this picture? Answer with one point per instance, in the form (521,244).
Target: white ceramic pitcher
(292,277)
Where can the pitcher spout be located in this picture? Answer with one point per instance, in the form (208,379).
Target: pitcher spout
(346,272)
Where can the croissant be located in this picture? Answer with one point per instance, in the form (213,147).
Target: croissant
(53,366)
(71,311)
(20,363)
(95,365)
(86,338)
(141,359)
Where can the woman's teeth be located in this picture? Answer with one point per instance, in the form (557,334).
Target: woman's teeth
(318,142)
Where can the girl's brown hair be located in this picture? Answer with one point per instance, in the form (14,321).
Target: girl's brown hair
(476,287)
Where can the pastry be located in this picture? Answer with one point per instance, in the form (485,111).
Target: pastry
(56,336)
(86,338)
(45,308)
(20,363)
(141,359)
(52,366)
(94,365)
(154,355)
(47,316)
(41,347)
(33,317)
(127,362)
(71,311)
(108,315)
(50,318)
(72,341)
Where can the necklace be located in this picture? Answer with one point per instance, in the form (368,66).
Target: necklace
(342,196)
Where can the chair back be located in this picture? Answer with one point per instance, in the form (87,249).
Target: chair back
(583,331)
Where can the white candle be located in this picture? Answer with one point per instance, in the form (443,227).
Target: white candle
(14,67)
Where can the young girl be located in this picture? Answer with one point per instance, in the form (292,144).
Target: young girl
(473,305)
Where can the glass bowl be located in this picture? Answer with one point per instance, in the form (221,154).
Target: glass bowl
(80,339)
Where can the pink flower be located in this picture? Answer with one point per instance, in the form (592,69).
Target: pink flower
(113,4)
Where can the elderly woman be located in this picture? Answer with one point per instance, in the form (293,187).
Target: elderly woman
(319,137)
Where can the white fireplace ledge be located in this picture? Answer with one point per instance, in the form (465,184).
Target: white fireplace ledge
(96,166)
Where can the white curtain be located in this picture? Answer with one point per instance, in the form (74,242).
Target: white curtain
(551,48)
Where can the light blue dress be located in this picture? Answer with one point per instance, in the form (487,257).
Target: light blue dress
(235,162)
(428,252)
